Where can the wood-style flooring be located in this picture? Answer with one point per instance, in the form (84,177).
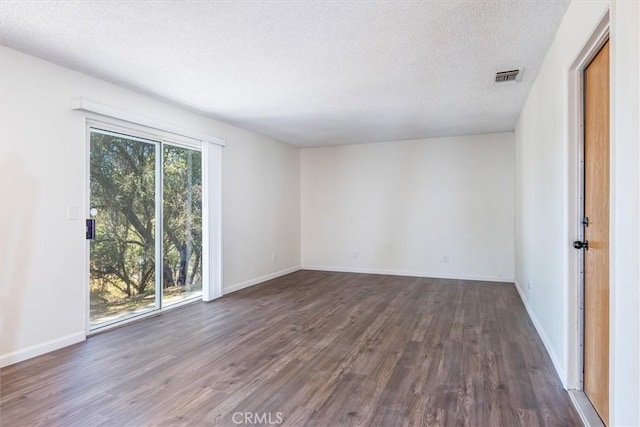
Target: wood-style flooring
(310,348)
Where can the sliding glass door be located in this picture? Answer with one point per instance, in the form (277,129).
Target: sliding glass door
(182,224)
(146,242)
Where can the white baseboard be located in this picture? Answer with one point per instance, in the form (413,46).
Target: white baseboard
(228,289)
(40,349)
(410,273)
(547,344)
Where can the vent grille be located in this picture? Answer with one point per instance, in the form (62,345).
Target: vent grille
(507,76)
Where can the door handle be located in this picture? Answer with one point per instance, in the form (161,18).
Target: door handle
(90,230)
(581,245)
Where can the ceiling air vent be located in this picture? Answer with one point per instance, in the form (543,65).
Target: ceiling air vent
(507,76)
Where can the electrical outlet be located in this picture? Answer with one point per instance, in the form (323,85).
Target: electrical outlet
(528,286)
(355,254)
(445,259)
(273,258)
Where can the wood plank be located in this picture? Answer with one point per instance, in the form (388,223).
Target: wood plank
(318,348)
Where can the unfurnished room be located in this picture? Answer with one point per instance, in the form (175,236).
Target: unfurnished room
(320,213)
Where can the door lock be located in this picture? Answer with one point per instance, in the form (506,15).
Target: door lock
(581,245)
(90,229)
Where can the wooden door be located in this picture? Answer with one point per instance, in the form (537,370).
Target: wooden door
(596,232)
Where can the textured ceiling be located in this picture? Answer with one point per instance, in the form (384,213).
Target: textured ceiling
(308,73)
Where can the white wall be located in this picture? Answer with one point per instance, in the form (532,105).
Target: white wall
(42,273)
(401,207)
(544,217)
(625,241)
(261,209)
(542,240)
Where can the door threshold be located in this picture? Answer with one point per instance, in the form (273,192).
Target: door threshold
(587,413)
(142,316)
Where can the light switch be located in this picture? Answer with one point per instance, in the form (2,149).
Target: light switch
(72,213)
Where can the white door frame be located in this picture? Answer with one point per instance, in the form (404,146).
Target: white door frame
(575,207)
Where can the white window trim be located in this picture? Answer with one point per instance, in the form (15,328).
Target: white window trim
(88,106)
(212,227)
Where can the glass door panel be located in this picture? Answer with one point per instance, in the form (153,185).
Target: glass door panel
(123,200)
(182,224)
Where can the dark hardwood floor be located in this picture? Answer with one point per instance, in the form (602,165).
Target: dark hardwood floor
(311,348)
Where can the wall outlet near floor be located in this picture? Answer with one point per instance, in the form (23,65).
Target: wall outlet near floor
(355,254)
(528,286)
(445,259)
(273,258)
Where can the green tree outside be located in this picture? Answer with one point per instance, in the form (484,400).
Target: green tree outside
(123,190)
